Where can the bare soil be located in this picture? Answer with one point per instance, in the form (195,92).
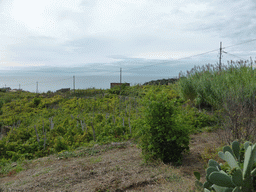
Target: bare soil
(116,167)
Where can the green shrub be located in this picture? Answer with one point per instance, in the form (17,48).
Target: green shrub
(164,138)
(60,144)
(197,119)
(37,101)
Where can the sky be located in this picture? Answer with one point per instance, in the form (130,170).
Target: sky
(104,35)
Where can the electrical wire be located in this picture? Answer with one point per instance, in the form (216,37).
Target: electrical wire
(48,81)
(200,54)
(168,62)
(240,43)
(233,55)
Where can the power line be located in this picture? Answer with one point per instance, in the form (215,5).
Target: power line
(168,62)
(240,43)
(187,57)
(49,81)
(233,55)
(56,80)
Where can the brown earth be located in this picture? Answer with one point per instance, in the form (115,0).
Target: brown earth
(116,167)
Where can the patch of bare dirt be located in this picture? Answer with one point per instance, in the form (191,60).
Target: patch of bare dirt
(118,167)
(199,145)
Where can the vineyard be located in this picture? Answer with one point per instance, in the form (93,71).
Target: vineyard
(42,124)
(160,118)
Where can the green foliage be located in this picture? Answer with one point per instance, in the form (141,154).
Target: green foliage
(37,101)
(1,105)
(124,89)
(197,119)
(161,81)
(209,86)
(8,167)
(164,137)
(65,121)
(230,91)
(60,144)
(237,175)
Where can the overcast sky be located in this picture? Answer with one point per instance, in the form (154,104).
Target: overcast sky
(115,32)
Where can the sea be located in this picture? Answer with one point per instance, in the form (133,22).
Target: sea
(44,79)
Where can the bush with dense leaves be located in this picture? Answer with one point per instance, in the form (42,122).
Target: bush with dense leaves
(165,136)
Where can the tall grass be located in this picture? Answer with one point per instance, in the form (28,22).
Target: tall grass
(208,85)
(231,90)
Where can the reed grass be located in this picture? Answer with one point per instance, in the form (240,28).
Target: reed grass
(230,90)
(209,85)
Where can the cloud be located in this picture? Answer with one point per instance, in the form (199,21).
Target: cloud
(82,32)
(231,19)
(45,18)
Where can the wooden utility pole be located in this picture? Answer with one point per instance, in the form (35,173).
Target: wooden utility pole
(74,83)
(37,87)
(120,75)
(120,82)
(220,56)
(251,61)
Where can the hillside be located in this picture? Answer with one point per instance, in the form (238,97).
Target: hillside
(62,141)
(112,167)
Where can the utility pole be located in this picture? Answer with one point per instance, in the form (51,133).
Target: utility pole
(74,84)
(120,75)
(120,83)
(19,86)
(220,56)
(251,62)
(37,87)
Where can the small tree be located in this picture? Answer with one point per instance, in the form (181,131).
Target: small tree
(164,137)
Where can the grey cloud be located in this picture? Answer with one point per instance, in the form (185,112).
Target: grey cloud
(230,19)
(155,30)
(89,45)
(117,57)
(37,49)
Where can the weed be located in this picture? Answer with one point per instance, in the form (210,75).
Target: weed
(95,160)
(118,168)
(173,178)
(210,152)
(9,183)
(10,168)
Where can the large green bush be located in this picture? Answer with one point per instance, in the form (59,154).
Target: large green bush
(164,137)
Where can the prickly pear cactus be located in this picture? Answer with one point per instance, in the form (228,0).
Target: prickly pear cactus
(240,178)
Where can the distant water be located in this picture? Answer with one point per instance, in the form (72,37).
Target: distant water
(53,83)
(47,81)
(96,75)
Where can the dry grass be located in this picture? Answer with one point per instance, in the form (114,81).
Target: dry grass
(116,168)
